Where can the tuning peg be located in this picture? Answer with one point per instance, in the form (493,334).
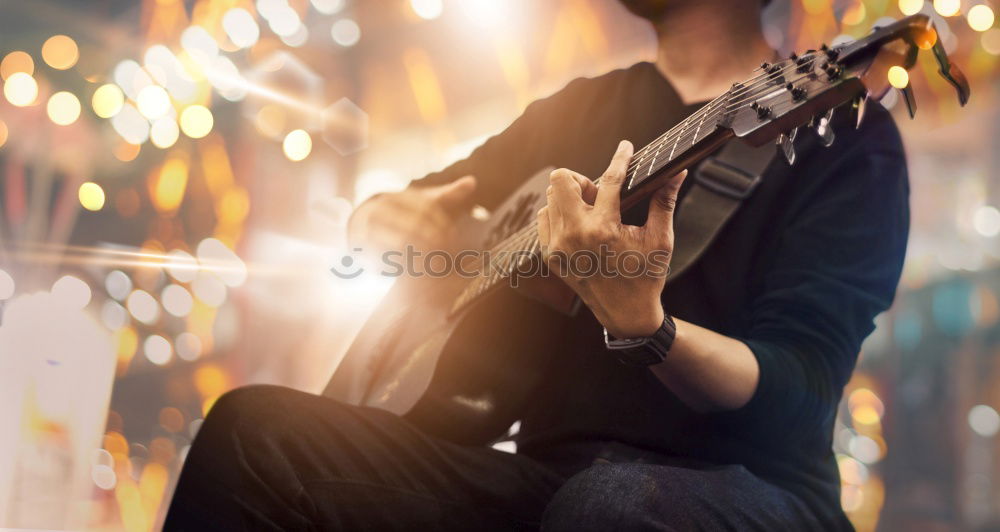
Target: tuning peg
(824,129)
(859,106)
(911,102)
(786,146)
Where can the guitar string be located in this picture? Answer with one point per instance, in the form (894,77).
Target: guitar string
(658,143)
(516,241)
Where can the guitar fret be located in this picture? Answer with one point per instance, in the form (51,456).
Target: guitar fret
(696,131)
(677,140)
(655,155)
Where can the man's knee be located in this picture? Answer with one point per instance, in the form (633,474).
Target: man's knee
(609,497)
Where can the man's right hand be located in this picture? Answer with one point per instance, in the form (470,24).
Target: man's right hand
(423,217)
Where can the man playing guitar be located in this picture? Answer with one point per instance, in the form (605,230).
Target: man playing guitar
(722,420)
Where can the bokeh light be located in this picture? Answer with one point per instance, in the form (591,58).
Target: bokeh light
(91,196)
(991,41)
(196,121)
(297,145)
(898,77)
(16,61)
(855,14)
(142,306)
(182,266)
(427,9)
(131,125)
(986,221)
(981,17)
(153,102)
(947,8)
(113,315)
(63,108)
(345,32)
(328,7)
(164,132)
(108,100)
(209,289)
(984,420)
(157,349)
(188,346)
(71,291)
(6,285)
(3,133)
(20,89)
(910,7)
(241,27)
(177,301)
(60,52)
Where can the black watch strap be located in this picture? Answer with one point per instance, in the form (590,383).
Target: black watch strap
(645,351)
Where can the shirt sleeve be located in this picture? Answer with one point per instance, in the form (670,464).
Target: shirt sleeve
(507,159)
(837,266)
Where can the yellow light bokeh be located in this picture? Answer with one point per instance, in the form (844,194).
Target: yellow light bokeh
(270,120)
(91,196)
(855,14)
(20,89)
(211,380)
(910,7)
(947,8)
(866,415)
(163,134)
(153,102)
(991,41)
(16,61)
(108,100)
(60,52)
(126,152)
(981,17)
(898,77)
(297,145)
(168,186)
(63,108)
(3,133)
(925,40)
(197,121)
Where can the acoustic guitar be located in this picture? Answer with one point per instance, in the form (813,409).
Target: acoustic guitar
(458,356)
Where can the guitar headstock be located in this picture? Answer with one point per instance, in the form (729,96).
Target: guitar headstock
(805,89)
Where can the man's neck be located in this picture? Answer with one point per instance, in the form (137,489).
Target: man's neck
(706,46)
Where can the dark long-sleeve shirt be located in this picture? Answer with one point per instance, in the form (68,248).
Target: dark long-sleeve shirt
(798,274)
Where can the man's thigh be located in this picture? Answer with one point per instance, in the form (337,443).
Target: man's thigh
(642,496)
(278,458)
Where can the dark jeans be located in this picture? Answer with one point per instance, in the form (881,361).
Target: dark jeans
(271,458)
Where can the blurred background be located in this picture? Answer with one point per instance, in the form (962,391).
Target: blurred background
(175,176)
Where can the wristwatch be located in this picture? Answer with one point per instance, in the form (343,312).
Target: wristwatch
(645,351)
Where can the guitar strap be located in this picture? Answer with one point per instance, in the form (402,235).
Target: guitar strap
(721,184)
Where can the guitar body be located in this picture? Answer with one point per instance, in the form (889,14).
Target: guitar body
(463,374)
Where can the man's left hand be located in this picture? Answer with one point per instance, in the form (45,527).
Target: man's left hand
(618,270)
